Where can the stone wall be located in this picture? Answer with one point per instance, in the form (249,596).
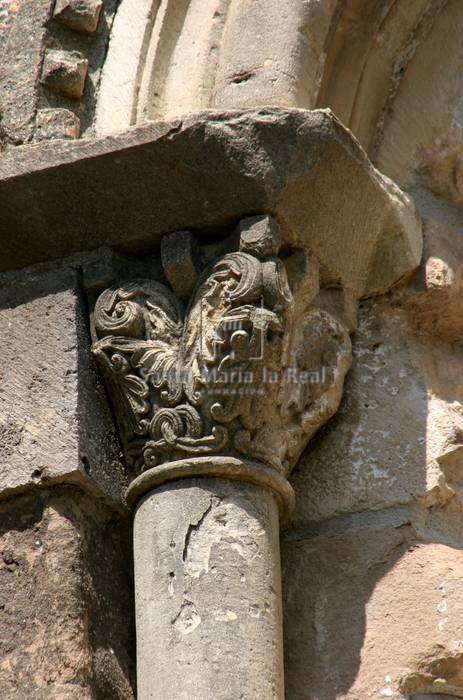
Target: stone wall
(51,56)
(372,560)
(8,8)
(66,601)
(66,609)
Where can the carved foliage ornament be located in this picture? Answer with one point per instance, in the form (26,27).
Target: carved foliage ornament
(248,369)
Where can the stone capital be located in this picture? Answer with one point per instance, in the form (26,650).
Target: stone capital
(247,370)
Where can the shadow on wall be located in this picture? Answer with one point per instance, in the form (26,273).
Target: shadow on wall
(327,584)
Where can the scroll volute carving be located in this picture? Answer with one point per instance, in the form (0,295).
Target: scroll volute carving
(248,369)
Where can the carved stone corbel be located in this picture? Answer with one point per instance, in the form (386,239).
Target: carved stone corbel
(229,388)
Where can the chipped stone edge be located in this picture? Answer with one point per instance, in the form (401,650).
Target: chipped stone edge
(222,467)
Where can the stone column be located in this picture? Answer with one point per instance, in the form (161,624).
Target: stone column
(209,618)
(215,404)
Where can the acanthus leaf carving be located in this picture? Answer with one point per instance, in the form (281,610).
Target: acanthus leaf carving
(249,369)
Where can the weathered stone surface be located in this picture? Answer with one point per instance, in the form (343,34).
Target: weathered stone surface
(250,369)
(373,453)
(372,613)
(8,9)
(303,167)
(29,30)
(434,305)
(243,55)
(57,124)
(397,436)
(181,261)
(259,235)
(415,141)
(65,72)
(120,83)
(79,15)
(54,422)
(209,601)
(21,55)
(66,610)
(272,54)
(224,389)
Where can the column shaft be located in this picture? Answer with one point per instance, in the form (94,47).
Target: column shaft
(208,592)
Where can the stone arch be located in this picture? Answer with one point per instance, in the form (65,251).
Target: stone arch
(373,62)
(235,54)
(393,75)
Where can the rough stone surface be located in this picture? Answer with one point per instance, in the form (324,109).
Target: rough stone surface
(282,162)
(259,235)
(434,151)
(181,261)
(21,53)
(373,453)
(80,15)
(120,84)
(208,605)
(397,436)
(378,612)
(54,422)
(27,32)
(57,124)
(372,613)
(65,72)
(8,8)
(434,308)
(66,610)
